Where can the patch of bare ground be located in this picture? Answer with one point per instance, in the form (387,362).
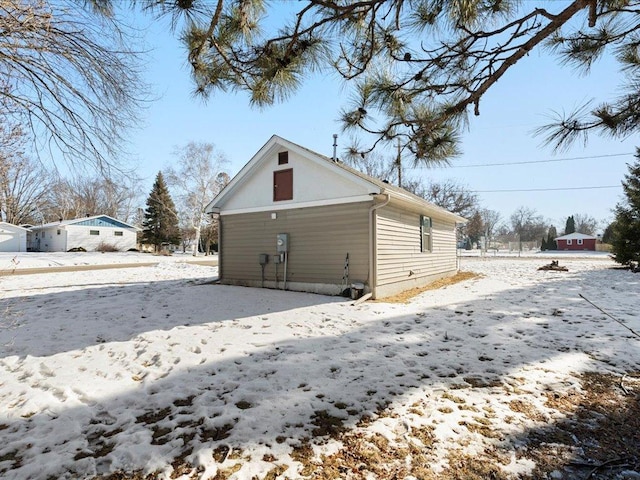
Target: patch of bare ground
(406,296)
(598,439)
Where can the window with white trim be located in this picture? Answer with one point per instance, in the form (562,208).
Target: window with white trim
(94,232)
(425,234)
(579,241)
(117,233)
(569,242)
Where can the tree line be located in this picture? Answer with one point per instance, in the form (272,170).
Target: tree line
(32,193)
(486,225)
(198,178)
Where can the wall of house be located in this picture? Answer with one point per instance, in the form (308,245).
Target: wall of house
(50,240)
(320,239)
(80,236)
(587,244)
(312,182)
(12,239)
(400,263)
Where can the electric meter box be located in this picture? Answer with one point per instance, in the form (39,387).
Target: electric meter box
(263,258)
(282,242)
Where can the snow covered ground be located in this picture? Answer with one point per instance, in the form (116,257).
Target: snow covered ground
(157,369)
(10,261)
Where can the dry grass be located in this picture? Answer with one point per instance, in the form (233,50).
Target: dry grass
(406,296)
(598,440)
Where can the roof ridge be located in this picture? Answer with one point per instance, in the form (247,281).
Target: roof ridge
(376,181)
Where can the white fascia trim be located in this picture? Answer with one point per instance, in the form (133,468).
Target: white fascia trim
(291,206)
(274,144)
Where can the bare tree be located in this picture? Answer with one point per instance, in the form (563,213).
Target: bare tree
(453,197)
(198,178)
(585,223)
(373,164)
(490,221)
(70,76)
(23,188)
(23,181)
(448,194)
(82,196)
(474,229)
(527,225)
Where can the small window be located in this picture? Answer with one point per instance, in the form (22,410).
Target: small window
(283,185)
(425,234)
(94,232)
(579,241)
(283,158)
(569,242)
(58,232)
(117,233)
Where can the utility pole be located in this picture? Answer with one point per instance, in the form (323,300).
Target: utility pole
(399,165)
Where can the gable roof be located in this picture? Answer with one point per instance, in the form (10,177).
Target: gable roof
(576,236)
(373,185)
(11,226)
(96,220)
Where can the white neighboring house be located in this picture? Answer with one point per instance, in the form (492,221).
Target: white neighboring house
(12,238)
(88,233)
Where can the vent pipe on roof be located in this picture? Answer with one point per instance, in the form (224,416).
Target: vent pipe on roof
(335,147)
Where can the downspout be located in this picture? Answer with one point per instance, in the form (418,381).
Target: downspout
(216,211)
(373,244)
(220,262)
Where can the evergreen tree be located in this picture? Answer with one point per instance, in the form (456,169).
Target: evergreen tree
(417,69)
(543,245)
(626,225)
(570,226)
(607,236)
(160,225)
(551,238)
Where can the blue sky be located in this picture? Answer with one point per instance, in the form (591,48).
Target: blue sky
(502,134)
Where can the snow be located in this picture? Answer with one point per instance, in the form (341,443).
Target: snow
(18,261)
(132,368)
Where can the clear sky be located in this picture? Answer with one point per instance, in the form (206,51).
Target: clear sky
(502,134)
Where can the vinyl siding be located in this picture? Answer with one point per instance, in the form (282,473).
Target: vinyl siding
(79,236)
(400,263)
(12,238)
(319,240)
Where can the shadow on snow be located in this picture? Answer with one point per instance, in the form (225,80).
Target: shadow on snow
(271,392)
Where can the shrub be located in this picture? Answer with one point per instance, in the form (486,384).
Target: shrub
(106,247)
(77,249)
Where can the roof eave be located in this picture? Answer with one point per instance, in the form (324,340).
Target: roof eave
(425,205)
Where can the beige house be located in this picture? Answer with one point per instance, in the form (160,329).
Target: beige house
(295,219)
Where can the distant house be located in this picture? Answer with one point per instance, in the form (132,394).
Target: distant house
(88,233)
(576,241)
(12,238)
(295,219)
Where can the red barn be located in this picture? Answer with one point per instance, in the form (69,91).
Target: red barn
(576,241)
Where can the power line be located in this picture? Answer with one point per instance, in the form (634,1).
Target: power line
(553,160)
(548,189)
